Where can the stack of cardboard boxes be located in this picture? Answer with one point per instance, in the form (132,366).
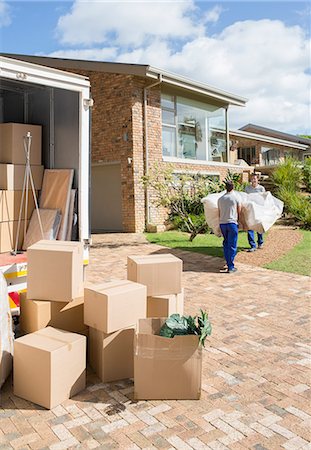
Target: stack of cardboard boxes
(163,368)
(12,170)
(111,310)
(124,319)
(50,363)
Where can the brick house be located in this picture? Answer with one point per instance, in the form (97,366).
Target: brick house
(264,148)
(141,116)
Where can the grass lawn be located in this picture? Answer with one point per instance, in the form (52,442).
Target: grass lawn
(297,260)
(208,244)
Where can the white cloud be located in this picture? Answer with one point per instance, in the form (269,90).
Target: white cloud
(265,60)
(127,22)
(100,54)
(5,18)
(213,14)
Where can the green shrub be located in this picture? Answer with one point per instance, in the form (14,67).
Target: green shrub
(297,205)
(288,175)
(306,174)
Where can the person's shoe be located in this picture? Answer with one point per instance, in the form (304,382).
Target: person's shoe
(232,270)
(260,246)
(252,249)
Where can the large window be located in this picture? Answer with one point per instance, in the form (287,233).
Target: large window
(193,130)
(270,156)
(248,154)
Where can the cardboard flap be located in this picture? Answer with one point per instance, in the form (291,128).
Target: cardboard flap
(150,326)
(159,348)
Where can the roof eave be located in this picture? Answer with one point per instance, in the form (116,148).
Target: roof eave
(195,86)
(265,138)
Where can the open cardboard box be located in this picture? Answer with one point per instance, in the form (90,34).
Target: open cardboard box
(166,368)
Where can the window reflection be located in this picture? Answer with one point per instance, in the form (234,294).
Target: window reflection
(193,130)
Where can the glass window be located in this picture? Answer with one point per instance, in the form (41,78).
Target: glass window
(248,154)
(270,156)
(168,141)
(168,117)
(167,101)
(200,129)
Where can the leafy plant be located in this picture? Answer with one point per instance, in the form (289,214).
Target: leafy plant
(177,325)
(297,205)
(181,195)
(288,175)
(236,178)
(306,174)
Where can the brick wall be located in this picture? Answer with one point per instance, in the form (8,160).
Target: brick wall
(118,136)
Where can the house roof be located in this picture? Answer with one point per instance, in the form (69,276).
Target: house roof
(276,134)
(268,139)
(142,70)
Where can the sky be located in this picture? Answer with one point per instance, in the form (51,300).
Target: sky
(256,49)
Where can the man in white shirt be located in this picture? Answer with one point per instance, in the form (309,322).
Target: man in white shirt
(254,188)
(229,208)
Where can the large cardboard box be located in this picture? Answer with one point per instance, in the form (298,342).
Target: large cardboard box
(8,234)
(165,305)
(10,202)
(49,366)
(112,355)
(160,273)
(166,368)
(111,306)
(12,143)
(12,177)
(38,314)
(55,271)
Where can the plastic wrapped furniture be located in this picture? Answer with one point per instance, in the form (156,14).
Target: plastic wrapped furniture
(259,211)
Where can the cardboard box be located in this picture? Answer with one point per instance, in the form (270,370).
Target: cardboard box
(38,314)
(12,177)
(12,143)
(165,305)
(8,233)
(111,356)
(49,366)
(160,273)
(55,271)
(166,368)
(111,306)
(10,202)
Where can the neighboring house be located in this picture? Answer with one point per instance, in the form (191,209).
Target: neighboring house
(265,148)
(141,116)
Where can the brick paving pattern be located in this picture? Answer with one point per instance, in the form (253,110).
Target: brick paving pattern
(256,370)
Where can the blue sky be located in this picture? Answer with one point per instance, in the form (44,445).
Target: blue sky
(260,50)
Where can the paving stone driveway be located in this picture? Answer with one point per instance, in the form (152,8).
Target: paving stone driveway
(256,370)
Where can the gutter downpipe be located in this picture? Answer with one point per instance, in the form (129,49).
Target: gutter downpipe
(227,135)
(147,207)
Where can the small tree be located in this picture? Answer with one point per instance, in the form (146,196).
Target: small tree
(181,195)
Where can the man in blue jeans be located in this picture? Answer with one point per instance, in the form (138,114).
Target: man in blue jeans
(229,208)
(254,188)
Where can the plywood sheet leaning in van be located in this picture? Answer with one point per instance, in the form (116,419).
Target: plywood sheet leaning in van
(55,194)
(71,213)
(50,220)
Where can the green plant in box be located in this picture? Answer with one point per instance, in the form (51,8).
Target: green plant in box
(177,325)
